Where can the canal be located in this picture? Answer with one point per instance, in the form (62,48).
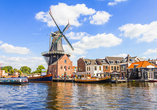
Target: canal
(60,95)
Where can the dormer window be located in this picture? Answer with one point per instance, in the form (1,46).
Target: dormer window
(111,61)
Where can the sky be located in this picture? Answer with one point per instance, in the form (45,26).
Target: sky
(99,28)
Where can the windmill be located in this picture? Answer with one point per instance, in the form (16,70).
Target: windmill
(56,48)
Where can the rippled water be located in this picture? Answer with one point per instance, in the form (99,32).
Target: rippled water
(60,95)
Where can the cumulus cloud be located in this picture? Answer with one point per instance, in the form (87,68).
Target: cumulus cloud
(121,55)
(18,62)
(62,13)
(146,32)
(115,2)
(1,42)
(91,42)
(76,36)
(101,17)
(150,51)
(12,49)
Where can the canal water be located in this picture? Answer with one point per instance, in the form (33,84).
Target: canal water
(75,96)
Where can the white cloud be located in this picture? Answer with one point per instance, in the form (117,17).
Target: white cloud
(12,49)
(112,3)
(101,17)
(76,36)
(115,2)
(121,55)
(1,42)
(91,42)
(150,51)
(18,62)
(146,32)
(62,13)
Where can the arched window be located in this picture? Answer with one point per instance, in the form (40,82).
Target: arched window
(61,67)
(65,61)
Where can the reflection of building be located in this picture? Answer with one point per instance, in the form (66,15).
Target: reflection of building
(142,70)
(63,66)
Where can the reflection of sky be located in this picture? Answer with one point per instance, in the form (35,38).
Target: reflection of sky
(60,95)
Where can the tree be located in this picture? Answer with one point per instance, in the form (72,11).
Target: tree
(25,69)
(12,71)
(7,68)
(15,70)
(40,67)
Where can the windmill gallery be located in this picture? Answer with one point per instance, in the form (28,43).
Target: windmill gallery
(58,61)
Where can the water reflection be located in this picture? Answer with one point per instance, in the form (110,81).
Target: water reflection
(60,95)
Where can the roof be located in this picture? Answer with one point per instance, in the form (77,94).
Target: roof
(141,64)
(102,61)
(131,59)
(90,62)
(114,59)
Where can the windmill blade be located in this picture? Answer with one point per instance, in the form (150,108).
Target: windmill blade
(54,20)
(66,28)
(68,42)
(57,39)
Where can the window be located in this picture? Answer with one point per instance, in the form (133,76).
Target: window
(122,68)
(111,61)
(111,67)
(95,68)
(68,67)
(106,67)
(99,67)
(87,68)
(117,61)
(61,67)
(114,67)
(117,67)
(65,61)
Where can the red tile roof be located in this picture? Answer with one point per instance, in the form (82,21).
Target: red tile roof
(141,64)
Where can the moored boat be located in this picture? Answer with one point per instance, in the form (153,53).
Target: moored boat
(14,81)
(153,80)
(94,80)
(44,78)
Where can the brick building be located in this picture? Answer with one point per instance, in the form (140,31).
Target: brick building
(63,66)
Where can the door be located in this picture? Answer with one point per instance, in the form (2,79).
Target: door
(150,75)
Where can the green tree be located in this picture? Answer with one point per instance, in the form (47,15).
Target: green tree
(25,69)
(12,71)
(15,70)
(7,68)
(40,67)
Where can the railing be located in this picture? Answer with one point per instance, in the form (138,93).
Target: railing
(46,52)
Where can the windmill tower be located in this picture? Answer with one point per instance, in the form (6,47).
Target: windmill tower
(56,48)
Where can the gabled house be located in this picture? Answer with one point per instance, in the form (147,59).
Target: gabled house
(63,66)
(126,63)
(89,67)
(114,63)
(142,70)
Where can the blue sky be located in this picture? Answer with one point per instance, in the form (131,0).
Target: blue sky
(99,28)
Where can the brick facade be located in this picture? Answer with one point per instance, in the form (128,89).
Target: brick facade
(62,67)
(81,66)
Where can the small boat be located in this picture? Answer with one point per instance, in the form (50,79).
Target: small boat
(94,80)
(44,78)
(153,80)
(14,81)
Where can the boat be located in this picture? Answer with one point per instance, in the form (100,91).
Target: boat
(14,81)
(44,78)
(94,80)
(153,80)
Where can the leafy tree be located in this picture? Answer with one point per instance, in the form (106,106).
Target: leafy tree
(12,71)
(19,71)
(25,69)
(15,70)
(7,68)
(40,67)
